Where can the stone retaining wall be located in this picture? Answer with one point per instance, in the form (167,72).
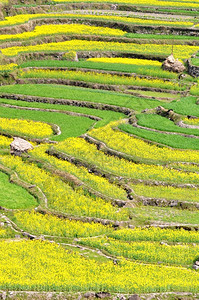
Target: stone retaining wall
(192,70)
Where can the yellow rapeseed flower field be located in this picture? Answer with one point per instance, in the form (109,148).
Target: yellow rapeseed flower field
(156,234)
(4,141)
(8,67)
(144,190)
(98,183)
(37,265)
(51,225)
(141,149)
(166,192)
(67,29)
(120,167)
(24,18)
(180,51)
(101,78)
(26,127)
(61,196)
(145,251)
(128,61)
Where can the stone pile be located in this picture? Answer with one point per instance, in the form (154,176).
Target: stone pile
(173,65)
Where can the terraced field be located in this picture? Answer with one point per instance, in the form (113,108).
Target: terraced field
(105,203)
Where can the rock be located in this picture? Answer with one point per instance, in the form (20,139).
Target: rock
(122,297)
(3,295)
(197,262)
(102,295)
(181,76)
(19,146)
(134,297)
(131,226)
(195,267)
(114,6)
(89,295)
(173,65)
(163,243)
(17,236)
(116,224)
(173,203)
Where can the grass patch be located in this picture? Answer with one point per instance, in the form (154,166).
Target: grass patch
(175,141)
(13,196)
(69,125)
(184,106)
(157,95)
(195,61)
(106,115)
(148,214)
(163,124)
(81,94)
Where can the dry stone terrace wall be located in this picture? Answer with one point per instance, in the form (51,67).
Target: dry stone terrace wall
(193,70)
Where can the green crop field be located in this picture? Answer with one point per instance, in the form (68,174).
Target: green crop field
(99,149)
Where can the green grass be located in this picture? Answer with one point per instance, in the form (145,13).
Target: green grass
(105,115)
(157,95)
(148,214)
(161,123)
(186,106)
(13,196)
(81,94)
(143,70)
(69,125)
(195,61)
(175,141)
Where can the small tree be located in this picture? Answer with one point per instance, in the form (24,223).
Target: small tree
(70,56)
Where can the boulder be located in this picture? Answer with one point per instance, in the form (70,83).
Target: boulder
(19,146)
(173,65)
